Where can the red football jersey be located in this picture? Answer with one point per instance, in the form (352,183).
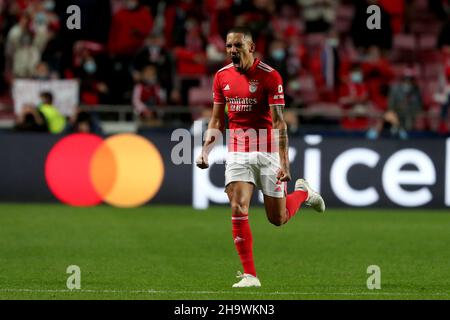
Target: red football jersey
(248,97)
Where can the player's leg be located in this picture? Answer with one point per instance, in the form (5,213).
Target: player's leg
(281,210)
(240,194)
(279,206)
(276,210)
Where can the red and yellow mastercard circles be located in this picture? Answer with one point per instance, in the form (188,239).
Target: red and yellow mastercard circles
(124,170)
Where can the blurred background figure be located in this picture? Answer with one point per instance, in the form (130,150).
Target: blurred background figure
(148,95)
(44,117)
(130,25)
(319,15)
(404,105)
(155,53)
(90,66)
(354,98)
(313,44)
(84,122)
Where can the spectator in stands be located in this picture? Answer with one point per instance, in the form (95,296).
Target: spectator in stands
(30,120)
(221,16)
(84,122)
(445,92)
(396,11)
(190,59)
(130,26)
(319,15)
(405,100)
(129,29)
(155,52)
(404,105)
(277,57)
(93,85)
(56,122)
(378,73)
(21,55)
(147,95)
(41,72)
(354,99)
(25,58)
(29,37)
(45,117)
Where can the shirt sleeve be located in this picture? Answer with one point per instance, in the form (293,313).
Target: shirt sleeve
(275,89)
(217,91)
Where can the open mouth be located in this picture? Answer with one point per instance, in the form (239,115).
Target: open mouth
(236,60)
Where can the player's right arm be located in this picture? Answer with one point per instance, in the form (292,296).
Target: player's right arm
(216,126)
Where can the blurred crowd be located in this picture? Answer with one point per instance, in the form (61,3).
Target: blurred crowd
(155,54)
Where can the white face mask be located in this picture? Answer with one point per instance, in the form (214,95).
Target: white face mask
(90,67)
(333,42)
(356,77)
(49,5)
(131,5)
(294,85)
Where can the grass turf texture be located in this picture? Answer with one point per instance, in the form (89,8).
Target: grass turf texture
(183,254)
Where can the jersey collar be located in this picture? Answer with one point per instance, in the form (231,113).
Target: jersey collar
(252,68)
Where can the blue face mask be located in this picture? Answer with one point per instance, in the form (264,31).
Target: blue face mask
(40,18)
(356,77)
(278,54)
(90,67)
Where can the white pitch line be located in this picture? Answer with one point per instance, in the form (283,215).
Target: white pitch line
(150,291)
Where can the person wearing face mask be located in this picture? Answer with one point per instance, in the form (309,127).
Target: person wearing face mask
(404,105)
(90,67)
(277,57)
(354,99)
(148,94)
(405,100)
(93,88)
(129,28)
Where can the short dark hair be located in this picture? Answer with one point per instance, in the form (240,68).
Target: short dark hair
(244,30)
(47,96)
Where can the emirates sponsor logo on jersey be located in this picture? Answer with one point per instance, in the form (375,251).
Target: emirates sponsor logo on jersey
(241,104)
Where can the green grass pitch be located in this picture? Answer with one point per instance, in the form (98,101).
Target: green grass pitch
(175,252)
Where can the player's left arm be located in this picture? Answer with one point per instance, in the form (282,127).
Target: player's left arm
(276,103)
(280,127)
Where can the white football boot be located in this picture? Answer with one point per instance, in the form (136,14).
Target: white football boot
(314,199)
(247,280)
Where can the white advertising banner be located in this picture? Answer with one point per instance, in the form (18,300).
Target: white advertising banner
(65,94)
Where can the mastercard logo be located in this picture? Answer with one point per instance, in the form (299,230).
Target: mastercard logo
(124,170)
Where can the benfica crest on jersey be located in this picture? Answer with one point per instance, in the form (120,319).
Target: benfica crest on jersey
(253,86)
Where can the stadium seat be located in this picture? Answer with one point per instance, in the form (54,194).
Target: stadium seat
(328,110)
(427,42)
(404,41)
(431,71)
(314,40)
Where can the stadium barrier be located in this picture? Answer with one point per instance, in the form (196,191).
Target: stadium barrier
(348,172)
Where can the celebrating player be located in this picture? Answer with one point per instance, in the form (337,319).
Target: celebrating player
(257,145)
